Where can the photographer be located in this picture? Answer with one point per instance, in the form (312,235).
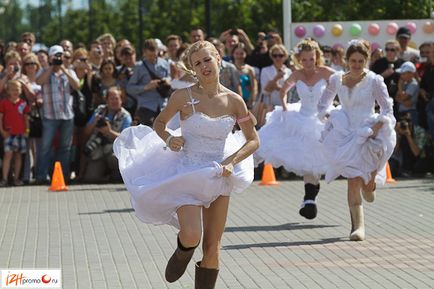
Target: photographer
(145,87)
(105,125)
(408,153)
(57,84)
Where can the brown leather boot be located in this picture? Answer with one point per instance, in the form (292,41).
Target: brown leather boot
(205,278)
(178,262)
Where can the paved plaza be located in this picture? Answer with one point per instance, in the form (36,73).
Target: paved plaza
(91,233)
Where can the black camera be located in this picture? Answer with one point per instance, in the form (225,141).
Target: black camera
(16,68)
(403,124)
(57,61)
(92,144)
(101,122)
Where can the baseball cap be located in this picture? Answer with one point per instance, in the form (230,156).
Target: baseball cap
(55,49)
(407,66)
(403,32)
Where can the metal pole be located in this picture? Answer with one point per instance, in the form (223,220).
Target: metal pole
(59,9)
(208,17)
(141,24)
(287,23)
(91,20)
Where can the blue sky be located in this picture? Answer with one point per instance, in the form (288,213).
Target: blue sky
(74,3)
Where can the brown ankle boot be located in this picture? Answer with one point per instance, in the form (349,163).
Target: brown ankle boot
(178,262)
(205,278)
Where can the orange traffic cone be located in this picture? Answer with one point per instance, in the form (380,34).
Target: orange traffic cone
(268,177)
(57,181)
(389,178)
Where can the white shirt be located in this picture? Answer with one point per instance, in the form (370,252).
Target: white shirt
(267,74)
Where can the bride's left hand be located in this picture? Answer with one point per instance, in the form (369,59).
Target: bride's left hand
(228,169)
(376,128)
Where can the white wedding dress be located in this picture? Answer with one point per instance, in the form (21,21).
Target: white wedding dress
(291,138)
(160,180)
(348,147)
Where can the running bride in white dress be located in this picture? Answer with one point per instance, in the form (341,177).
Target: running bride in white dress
(358,141)
(290,137)
(185,177)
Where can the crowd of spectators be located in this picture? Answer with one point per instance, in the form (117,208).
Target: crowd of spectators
(70,101)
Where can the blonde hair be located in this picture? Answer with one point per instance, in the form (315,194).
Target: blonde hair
(308,44)
(197,46)
(393,42)
(78,53)
(105,36)
(12,55)
(32,57)
(13,83)
(278,47)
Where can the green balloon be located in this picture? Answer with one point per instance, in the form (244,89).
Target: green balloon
(355,30)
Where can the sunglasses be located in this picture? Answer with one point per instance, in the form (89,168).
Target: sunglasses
(390,49)
(278,55)
(30,63)
(67,57)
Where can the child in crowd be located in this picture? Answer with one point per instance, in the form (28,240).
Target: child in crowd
(14,128)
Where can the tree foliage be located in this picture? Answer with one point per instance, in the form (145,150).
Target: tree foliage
(164,17)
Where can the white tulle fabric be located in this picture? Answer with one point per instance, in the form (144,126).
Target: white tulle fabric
(160,181)
(348,147)
(291,138)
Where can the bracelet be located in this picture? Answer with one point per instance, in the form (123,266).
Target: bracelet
(168,140)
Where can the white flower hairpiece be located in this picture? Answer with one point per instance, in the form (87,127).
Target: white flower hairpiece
(355,42)
(297,50)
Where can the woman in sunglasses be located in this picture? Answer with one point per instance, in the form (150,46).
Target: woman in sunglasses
(357,141)
(387,65)
(273,76)
(290,138)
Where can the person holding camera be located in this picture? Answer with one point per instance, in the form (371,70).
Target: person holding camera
(57,83)
(149,83)
(408,156)
(104,126)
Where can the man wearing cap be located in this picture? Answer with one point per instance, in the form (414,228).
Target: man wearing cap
(57,84)
(408,91)
(403,35)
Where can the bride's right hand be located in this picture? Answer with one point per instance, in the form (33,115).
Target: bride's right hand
(176,143)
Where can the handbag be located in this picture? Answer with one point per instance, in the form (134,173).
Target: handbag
(35,122)
(163,88)
(79,108)
(261,108)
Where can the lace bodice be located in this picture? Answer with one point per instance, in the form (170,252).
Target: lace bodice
(205,136)
(310,95)
(359,101)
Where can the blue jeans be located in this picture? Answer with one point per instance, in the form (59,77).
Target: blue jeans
(49,129)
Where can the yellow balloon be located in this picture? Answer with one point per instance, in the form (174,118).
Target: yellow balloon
(337,30)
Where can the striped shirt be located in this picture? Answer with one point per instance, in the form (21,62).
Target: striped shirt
(57,98)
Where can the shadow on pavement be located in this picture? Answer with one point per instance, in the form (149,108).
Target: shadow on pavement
(283,244)
(283,227)
(126,210)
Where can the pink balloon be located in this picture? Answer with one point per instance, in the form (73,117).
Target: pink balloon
(374,46)
(374,29)
(391,28)
(337,45)
(412,27)
(319,30)
(300,31)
